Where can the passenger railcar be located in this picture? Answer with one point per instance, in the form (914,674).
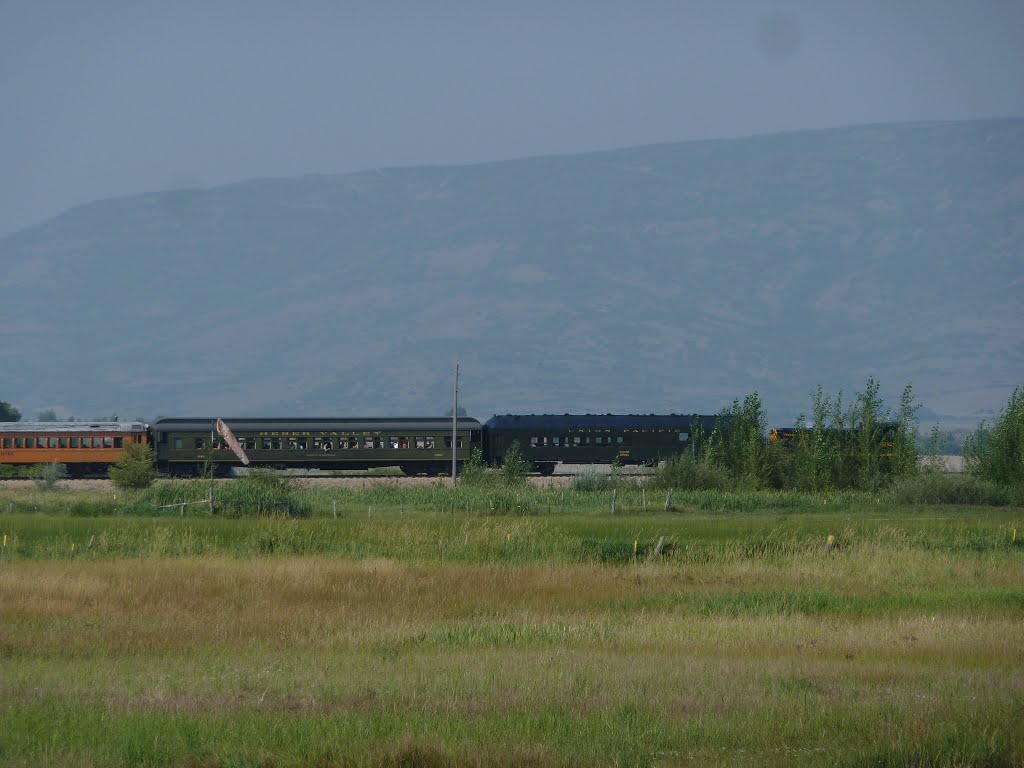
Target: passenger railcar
(416,445)
(546,440)
(84,447)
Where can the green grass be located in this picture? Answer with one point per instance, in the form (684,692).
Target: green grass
(414,635)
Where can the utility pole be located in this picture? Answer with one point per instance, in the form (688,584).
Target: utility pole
(455,423)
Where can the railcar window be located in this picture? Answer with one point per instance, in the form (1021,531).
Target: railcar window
(24,442)
(250,443)
(393,442)
(420,442)
(367,442)
(266,443)
(292,444)
(118,442)
(576,442)
(7,442)
(534,442)
(53,442)
(74,442)
(177,444)
(302,444)
(108,442)
(276,443)
(430,442)
(556,440)
(618,439)
(599,440)
(403,442)
(198,443)
(62,442)
(684,436)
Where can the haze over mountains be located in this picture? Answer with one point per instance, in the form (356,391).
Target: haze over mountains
(667,278)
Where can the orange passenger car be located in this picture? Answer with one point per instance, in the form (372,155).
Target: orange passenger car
(84,447)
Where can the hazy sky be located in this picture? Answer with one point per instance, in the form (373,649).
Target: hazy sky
(99,99)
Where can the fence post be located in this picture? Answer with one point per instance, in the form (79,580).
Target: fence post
(613,500)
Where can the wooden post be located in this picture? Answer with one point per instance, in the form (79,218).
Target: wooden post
(613,500)
(668,501)
(335,503)
(661,543)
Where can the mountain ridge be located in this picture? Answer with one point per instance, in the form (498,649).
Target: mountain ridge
(673,276)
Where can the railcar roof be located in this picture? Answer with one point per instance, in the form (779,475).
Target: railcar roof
(292,424)
(681,422)
(72,426)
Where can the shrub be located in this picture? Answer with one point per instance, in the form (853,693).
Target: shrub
(474,472)
(686,473)
(262,492)
(47,475)
(592,481)
(933,487)
(996,452)
(514,467)
(135,468)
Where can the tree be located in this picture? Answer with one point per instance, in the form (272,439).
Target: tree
(48,415)
(514,467)
(135,468)
(8,412)
(996,451)
(474,471)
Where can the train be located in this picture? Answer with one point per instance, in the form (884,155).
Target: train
(417,446)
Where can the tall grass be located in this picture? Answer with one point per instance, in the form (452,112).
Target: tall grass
(878,651)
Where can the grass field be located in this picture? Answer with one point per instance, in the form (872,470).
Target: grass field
(412,634)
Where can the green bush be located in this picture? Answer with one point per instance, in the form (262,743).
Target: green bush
(135,469)
(48,475)
(933,487)
(261,493)
(592,481)
(996,452)
(474,472)
(686,473)
(514,468)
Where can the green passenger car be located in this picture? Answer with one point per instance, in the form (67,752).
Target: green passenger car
(546,440)
(415,445)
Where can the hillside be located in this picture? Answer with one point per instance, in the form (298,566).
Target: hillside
(659,278)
